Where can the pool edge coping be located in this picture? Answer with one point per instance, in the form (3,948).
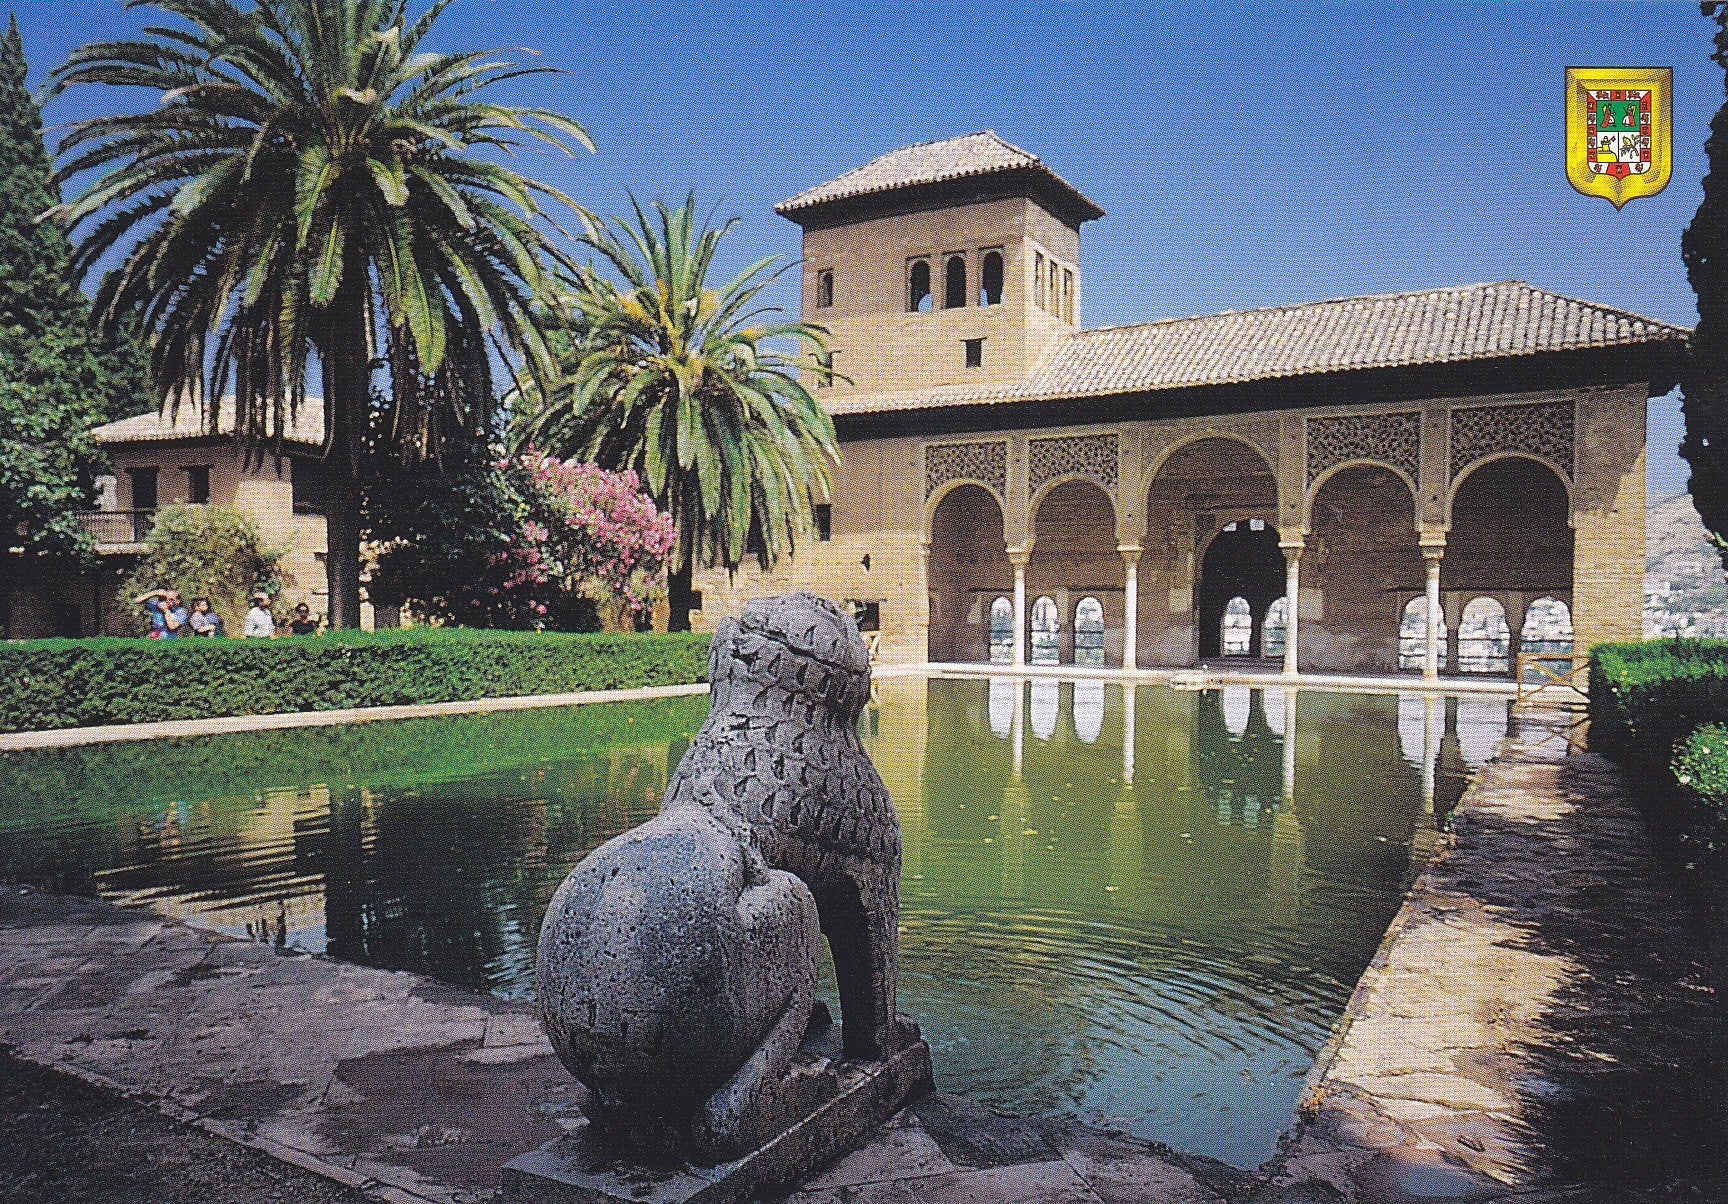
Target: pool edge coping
(223,725)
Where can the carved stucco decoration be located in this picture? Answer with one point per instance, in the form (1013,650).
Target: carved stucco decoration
(985,461)
(1394,439)
(1542,429)
(1094,456)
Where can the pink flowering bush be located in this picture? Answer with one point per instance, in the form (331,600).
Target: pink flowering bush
(587,532)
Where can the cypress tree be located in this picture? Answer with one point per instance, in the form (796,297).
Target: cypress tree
(57,378)
(1704,375)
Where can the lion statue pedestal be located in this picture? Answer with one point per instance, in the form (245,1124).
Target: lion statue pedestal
(678,961)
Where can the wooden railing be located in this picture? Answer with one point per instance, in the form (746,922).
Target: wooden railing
(116,526)
(1553,679)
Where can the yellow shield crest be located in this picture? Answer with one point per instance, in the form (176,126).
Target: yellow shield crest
(1619,130)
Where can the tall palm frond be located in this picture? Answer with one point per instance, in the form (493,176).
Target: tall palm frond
(314,189)
(675,379)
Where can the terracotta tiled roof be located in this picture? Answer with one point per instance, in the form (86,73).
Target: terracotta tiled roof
(190,421)
(977,154)
(1438,326)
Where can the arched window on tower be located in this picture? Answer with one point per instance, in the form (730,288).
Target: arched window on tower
(918,287)
(1001,631)
(1089,632)
(825,289)
(954,282)
(990,279)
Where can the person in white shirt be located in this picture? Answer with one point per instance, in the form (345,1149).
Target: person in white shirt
(259,621)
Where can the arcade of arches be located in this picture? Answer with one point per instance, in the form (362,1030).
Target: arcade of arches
(1314,540)
(1198,569)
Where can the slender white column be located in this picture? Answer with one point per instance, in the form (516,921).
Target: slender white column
(1431,554)
(1292,592)
(1131,606)
(1018,560)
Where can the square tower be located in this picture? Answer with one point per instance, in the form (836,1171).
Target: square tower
(944,263)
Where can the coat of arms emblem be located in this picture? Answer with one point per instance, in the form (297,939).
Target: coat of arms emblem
(1619,130)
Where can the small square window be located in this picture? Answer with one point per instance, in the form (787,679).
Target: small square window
(867,614)
(974,353)
(824,521)
(198,484)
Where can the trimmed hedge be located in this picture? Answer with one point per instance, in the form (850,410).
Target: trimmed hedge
(89,683)
(1658,707)
(1701,772)
(1645,698)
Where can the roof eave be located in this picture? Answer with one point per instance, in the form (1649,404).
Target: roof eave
(1037,182)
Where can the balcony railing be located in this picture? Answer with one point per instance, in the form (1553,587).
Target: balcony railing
(117,526)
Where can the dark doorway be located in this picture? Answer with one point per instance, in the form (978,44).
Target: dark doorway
(1243,561)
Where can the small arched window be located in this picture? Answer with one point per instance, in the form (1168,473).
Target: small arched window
(918,287)
(954,282)
(1001,631)
(1089,632)
(990,281)
(1547,627)
(1484,639)
(1046,628)
(824,289)
(1413,635)
(1275,629)
(1237,633)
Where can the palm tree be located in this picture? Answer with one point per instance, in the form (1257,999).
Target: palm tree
(306,193)
(672,378)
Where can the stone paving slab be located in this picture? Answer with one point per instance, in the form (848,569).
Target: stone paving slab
(416,1092)
(1538,1024)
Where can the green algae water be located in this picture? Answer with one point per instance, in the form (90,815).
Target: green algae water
(1142,909)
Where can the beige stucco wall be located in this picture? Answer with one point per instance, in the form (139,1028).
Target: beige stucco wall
(882,347)
(264,490)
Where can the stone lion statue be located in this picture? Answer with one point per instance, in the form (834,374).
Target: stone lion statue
(678,961)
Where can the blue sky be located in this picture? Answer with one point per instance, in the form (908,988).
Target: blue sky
(1246,154)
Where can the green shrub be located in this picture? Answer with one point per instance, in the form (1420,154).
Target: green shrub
(1701,773)
(88,683)
(1645,698)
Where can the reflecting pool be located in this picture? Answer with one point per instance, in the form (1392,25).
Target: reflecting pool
(1142,908)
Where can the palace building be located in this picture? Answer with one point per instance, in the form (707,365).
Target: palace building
(1304,484)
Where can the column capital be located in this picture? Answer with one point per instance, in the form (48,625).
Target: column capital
(1018,556)
(1432,543)
(1130,551)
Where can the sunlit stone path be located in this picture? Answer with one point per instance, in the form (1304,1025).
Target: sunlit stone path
(1539,1024)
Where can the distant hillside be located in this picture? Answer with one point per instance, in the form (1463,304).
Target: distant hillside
(1677,550)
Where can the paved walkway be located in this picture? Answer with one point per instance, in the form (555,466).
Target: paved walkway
(1539,1023)
(416,1092)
